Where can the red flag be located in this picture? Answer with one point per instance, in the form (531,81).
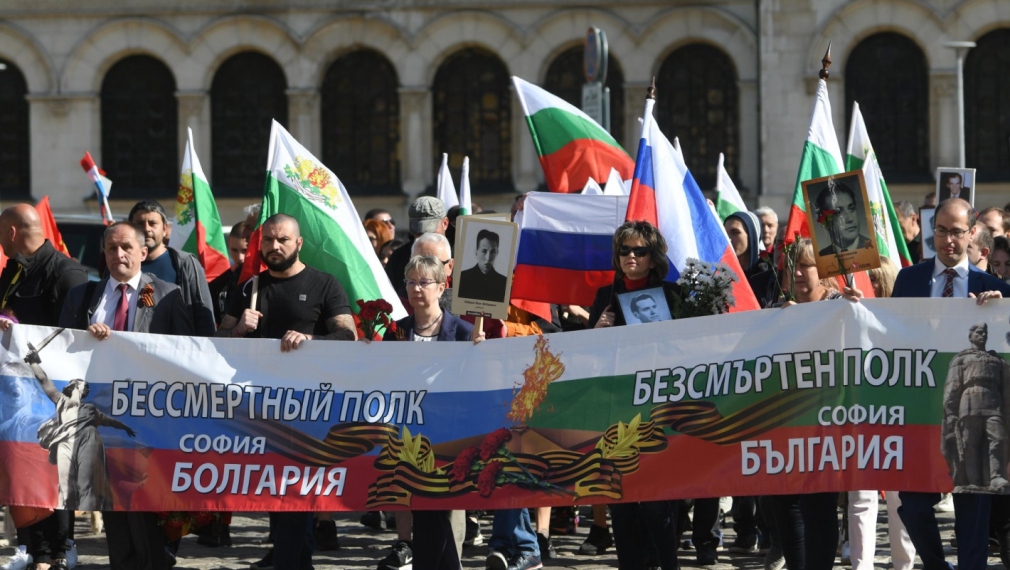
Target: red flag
(253,264)
(49,229)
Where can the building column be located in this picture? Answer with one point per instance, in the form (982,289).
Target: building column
(416,139)
(194,113)
(305,120)
(634,104)
(62,128)
(747,172)
(526,172)
(943,149)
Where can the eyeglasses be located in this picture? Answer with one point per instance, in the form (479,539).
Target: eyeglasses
(640,251)
(390,221)
(446,262)
(944,232)
(410,283)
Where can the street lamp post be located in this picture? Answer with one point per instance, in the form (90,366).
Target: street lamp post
(960,48)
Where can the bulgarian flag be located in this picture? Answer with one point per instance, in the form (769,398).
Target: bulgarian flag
(728,200)
(197,227)
(446,192)
(335,241)
(572,147)
(821,157)
(860,155)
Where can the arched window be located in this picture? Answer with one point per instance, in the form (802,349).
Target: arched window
(987,106)
(698,102)
(473,117)
(14,157)
(140,128)
(361,123)
(565,78)
(886,74)
(247,92)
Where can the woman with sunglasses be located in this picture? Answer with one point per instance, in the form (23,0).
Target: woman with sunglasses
(639,263)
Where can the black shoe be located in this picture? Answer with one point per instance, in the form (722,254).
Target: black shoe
(169,557)
(495,561)
(707,559)
(547,551)
(266,564)
(373,519)
(473,536)
(525,561)
(598,541)
(214,535)
(400,558)
(564,520)
(326,536)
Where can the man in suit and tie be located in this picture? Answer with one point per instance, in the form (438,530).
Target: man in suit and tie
(128,300)
(949,274)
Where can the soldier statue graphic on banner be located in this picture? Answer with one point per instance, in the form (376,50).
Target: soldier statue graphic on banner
(973,434)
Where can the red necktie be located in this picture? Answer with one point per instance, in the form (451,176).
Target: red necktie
(122,310)
(948,288)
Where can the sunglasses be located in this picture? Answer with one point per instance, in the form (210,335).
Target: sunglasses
(640,251)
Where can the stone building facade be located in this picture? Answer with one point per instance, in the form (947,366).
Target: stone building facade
(379,90)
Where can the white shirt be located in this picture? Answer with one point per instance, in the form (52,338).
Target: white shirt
(106,311)
(940,280)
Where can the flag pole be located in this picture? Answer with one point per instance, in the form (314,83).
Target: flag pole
(825,63)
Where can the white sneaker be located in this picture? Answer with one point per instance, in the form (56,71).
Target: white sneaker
(72,555)
(19,561)
(946,504)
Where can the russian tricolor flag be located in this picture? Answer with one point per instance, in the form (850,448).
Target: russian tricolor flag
(565,247)
(665,194)
(101,188)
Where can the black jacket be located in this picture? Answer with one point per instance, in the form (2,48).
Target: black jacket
(37,296)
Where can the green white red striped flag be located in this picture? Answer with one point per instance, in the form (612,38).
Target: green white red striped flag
(821,157)
(572,147)
(197,228)
(728,200)
(335,241)
(860,155)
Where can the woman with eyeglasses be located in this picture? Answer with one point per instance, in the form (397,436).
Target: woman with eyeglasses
(433,546)
(640,529)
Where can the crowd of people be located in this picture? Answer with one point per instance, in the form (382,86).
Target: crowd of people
(296,303)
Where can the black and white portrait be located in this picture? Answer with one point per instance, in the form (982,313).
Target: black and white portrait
(482,272)
(841,225)
(644,306)
(955,183)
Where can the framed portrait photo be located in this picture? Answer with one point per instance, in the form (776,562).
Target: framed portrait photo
(482,272)
(955,183)
(926,229)
(644,306)
(841,224)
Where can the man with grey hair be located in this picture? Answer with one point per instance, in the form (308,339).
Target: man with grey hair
(908,219)
(437,245)
(427,215)
(769,225)
(980,247)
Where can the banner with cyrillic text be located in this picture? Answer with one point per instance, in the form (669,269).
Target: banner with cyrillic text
(886,394)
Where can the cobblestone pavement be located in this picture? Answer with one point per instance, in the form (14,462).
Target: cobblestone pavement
(362,547)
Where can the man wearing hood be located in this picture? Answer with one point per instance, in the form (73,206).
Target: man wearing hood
(743,229)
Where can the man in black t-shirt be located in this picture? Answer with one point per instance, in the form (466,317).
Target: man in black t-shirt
(295,303)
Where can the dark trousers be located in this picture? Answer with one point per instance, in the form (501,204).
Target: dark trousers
(643,527)
(790,530)
(745,521)
(48,537)
(971,527)
(705,533)
(999,521)
(820,522)
(294,540)
(434,544)
(135,541)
